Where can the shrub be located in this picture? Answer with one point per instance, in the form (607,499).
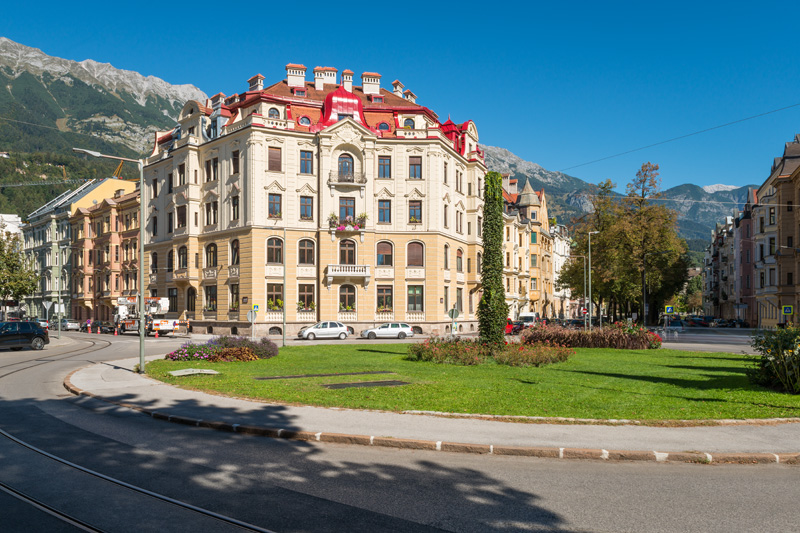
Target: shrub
(453,351)
(778,365)
(532,354)
(618,336)
(234,354)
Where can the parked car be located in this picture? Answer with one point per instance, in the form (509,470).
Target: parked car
(675,325)
(70,325)
(18,335)
(105,327)
(393,330)
(696,322)
(517,327)
(719,323)
(44,323)
(739,323)
(323,330)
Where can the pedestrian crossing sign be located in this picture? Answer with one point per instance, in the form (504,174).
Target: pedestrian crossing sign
(788,310)
(669,310)
(255,308)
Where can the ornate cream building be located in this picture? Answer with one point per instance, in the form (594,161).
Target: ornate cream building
(527,251)
(328,200)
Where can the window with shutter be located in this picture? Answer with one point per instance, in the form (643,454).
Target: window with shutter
(385,254)
(274,159)
(416,256)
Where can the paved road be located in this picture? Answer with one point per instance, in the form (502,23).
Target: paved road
(293,486)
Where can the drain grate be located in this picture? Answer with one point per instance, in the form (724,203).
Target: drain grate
(358,384)
(327,375)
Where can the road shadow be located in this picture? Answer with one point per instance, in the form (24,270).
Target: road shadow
(276,484)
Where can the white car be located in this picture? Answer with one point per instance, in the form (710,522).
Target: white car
(324,330)
(394,330)
(70,325)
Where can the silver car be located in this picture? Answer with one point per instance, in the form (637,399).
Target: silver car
(324,330)
(394,330)
(70,325)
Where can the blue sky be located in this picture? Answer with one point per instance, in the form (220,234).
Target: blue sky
(560,84)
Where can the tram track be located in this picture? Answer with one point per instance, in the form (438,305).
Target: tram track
(109,489)
(94,346)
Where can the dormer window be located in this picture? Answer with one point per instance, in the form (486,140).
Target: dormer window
(377,99)
(273,113)
(408,124)
(383,126)
(300,92)
(304,121)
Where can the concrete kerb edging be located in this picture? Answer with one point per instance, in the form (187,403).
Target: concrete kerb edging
(455,447)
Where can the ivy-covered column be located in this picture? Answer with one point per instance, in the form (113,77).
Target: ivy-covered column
(492,309)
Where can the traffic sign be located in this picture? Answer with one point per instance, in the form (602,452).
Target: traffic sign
(788,310)
(47,305)
(453,313)
(584,311)
(251,316)
(669,310)
(255,308)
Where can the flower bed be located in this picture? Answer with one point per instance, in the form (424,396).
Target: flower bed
(225,349)
(619,336)
(475,352)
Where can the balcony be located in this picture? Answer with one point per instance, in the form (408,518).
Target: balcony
(412,134)
(415,316)
(183,274)
(384,316)
(349,272)
(348,179)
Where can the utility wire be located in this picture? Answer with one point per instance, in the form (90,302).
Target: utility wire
(682,136)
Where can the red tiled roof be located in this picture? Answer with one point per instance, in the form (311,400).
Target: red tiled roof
(371,74)
(348,71)
(295,65)
(325,69)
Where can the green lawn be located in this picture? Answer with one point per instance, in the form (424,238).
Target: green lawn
(647,385)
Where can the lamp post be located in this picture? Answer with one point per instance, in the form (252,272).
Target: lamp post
(584,283)
(140,164)
(590,278)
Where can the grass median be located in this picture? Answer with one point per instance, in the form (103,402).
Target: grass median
(646,385)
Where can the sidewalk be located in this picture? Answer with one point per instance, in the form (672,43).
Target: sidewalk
(761,441)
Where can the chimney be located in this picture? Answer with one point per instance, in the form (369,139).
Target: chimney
(411,97)
(371,83)
(216,101)
(296,75)
(397,88)
(256,83)
(347,80)
(319,78)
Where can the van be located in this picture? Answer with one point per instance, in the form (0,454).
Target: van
(529,319)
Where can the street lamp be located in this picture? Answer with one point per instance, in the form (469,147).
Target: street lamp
(140,164)
(584,284)
(590,278)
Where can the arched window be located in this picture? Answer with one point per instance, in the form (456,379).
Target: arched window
(275,251)
(459,261)
(347,298)
(383,126)
(154,263)
(304,121)
(211,255)
(416,255)
(305,252)
(170,261)
(273,113)
(183,257)
(447,257)
(385,254)
(235,252)
(191,296)
(346,165)
(408,123)
(347,252)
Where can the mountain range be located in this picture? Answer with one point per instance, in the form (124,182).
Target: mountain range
(52,104)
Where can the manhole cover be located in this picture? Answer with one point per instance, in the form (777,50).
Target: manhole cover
(328,375)
(365,384)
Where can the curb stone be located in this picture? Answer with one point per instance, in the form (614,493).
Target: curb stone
(455,447)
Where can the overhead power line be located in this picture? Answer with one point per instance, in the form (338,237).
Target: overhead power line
(682,136)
